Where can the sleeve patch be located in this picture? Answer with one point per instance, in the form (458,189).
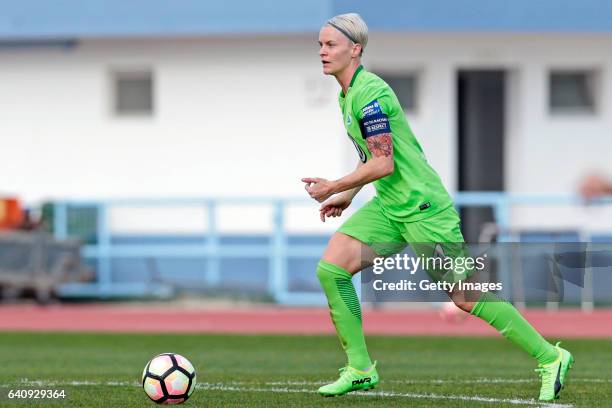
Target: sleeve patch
(372,108)
(374,121)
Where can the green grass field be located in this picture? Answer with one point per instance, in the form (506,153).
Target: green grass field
(103,370)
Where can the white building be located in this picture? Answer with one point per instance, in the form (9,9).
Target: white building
(230,100)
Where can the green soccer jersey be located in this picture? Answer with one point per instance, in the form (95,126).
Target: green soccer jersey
(414,190)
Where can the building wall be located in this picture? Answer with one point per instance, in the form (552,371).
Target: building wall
(544,153)
(232,117)
(251,116)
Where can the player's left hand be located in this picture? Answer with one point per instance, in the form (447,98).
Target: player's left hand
(318,188)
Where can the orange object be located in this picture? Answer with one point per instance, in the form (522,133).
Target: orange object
(11,213)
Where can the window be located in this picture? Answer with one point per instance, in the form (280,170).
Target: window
(405,87)
(572,91)
(133,93)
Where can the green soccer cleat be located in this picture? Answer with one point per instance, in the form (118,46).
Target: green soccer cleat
(553,375)
(351,379)
(567,362)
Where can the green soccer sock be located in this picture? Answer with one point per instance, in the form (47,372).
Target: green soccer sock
(345,312)
(509,322)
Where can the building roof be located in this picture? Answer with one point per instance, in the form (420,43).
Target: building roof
(52,19)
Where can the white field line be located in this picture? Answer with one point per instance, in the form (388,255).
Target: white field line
(314,383)
(472,381)
(235,388)
(514,401)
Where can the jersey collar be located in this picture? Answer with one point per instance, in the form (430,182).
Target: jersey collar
(357,71)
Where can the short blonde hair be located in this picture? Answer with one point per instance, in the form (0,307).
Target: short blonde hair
(352,26)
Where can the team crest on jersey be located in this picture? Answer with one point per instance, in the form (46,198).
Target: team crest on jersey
(349,121)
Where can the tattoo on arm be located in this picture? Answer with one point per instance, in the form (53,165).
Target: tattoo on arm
(380,145)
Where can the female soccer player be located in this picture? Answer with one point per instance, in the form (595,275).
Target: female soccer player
(411,206)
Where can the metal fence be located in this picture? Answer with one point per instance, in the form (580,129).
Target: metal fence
(278,249)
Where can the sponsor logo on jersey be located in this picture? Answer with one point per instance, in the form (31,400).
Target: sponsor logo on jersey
(349,121)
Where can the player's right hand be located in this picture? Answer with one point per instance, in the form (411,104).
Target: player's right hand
(334,206)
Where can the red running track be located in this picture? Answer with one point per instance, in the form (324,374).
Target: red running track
(565,324)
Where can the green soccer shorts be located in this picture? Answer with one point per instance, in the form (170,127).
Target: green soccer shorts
(436,236)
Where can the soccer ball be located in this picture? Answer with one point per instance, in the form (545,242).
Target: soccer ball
(169,379)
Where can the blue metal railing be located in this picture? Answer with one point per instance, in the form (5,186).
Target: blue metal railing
(278,251)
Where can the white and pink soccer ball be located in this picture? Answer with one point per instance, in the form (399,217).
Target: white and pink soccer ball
(169,379)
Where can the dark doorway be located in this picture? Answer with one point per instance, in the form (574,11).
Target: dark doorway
(480,115)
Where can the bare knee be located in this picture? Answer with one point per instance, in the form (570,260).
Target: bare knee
(459,299)
(346,252)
